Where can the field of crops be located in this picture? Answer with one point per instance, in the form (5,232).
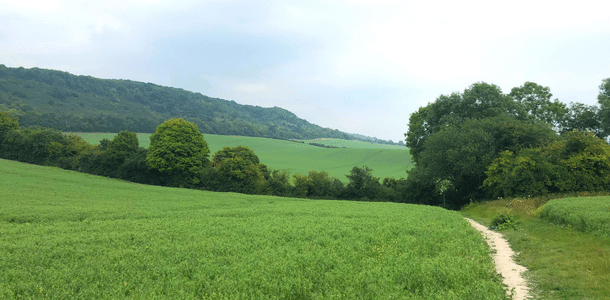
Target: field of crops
(353,144)
(386,161)
(71,235)
(586,214)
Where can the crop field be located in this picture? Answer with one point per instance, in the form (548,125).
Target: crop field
(386,161)
(353,144)
(586,214)
(70,235)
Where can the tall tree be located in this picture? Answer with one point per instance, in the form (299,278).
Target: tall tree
(480,100)
(238,169)
(603,98)
(177,150)
(122,146)
(362,184)
(535,101)
(243,152)
(580,116)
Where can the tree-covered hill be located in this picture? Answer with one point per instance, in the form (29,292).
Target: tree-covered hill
(67,102)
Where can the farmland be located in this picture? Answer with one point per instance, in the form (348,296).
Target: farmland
(92,237)
(385,160)
(586,214)
(352,144)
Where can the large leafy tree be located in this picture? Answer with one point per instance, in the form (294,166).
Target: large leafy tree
(583,117)
(458,155)
(362,184)
(535,102)
(242,152)
(178,151)
(238,169)
(480,100)
(122,146)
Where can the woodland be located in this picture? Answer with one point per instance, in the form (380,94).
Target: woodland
(70,103)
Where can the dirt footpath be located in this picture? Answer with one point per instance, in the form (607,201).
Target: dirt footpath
(505,265)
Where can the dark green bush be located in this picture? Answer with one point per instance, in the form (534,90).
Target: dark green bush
(503,221)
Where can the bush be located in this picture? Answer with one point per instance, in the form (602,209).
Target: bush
(238,169)
(503,221)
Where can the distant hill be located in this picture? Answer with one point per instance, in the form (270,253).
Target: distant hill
(60,100)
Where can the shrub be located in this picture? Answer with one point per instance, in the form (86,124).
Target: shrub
(503,221)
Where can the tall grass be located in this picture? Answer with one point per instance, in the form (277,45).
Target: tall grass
(70,235)
(586,214)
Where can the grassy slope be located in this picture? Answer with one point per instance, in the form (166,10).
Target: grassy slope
(90,237)
(353,144)
(563,263)
(386,161)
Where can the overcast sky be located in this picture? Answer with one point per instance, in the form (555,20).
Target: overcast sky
(360,66)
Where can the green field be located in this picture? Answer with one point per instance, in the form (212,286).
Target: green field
(586,214)
(352,144)
(385,160)
(70,235)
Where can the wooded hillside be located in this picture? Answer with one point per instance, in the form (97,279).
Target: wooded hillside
(66,102)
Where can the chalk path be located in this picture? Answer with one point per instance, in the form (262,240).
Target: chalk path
(505,265)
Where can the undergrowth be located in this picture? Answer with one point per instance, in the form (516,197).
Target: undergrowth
(503,222)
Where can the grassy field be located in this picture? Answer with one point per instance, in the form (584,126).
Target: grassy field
(386,161)
(586,214)
(70,235)
(353,144)
(563,243)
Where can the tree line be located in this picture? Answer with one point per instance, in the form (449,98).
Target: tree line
(483,144)
(178,156)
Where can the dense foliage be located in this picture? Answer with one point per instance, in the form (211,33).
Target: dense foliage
(482,143)
(576,162)
(238,169)
(71,103)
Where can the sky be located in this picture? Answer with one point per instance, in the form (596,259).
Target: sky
(360,66)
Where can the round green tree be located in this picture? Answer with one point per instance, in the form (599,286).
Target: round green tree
(177,150)
(239,170)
